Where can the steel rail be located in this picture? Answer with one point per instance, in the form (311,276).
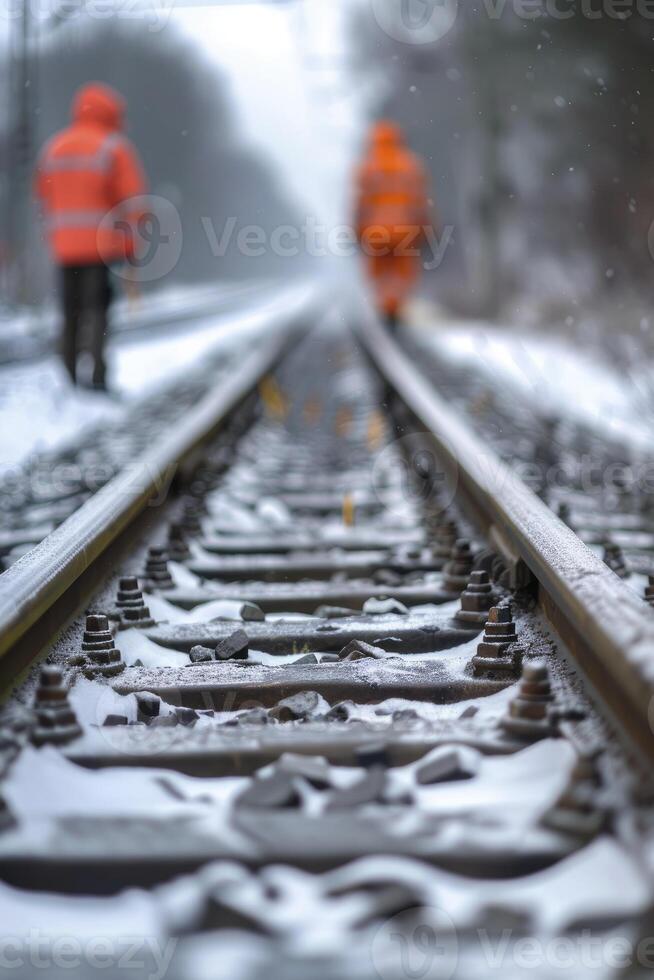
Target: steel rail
(41,591)
(606,626)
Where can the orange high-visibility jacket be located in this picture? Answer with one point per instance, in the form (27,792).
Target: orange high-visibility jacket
(84,172)
(392,211)
(392,207)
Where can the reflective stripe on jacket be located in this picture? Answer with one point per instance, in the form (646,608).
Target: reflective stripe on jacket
(392,213)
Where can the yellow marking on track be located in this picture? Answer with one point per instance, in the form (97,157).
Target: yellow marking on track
(375,429)
(273,398)
(348,510)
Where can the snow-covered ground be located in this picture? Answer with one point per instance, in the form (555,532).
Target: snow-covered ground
(29,332)
(40,409)
(550,372)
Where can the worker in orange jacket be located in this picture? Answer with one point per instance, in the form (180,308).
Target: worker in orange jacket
(88,181)
(392,213)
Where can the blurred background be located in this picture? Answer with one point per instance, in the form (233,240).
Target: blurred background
(534,119)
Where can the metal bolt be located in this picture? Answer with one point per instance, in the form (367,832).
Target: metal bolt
(477,599)
(445,537)
(579,809)
(156,574)
(536,672)
(131,605)
(102,657)
(55,719)
(497,649)
(528,716)
(191,518)
(458,569)
(177,545)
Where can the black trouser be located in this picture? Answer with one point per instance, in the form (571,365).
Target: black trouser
(86,297)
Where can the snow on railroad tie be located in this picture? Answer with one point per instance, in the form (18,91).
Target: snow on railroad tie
(320,702)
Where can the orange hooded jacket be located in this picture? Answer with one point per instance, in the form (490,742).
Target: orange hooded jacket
(84,172)
(391,193)
(392,211)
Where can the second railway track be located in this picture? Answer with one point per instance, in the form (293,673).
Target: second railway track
(350,681)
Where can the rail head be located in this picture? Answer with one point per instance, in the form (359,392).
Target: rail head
(34,586)
(607,626)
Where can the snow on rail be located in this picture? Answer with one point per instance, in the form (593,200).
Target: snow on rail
(29,589)
(614,626)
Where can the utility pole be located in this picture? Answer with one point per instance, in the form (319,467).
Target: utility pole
(489,224)
(486,122)
(20,154)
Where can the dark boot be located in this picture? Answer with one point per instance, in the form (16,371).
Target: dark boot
(392,320)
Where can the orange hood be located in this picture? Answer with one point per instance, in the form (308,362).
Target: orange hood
(386,135)
(99,105)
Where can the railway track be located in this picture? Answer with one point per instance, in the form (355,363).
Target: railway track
(596,481)
(349,701)
(46,488)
